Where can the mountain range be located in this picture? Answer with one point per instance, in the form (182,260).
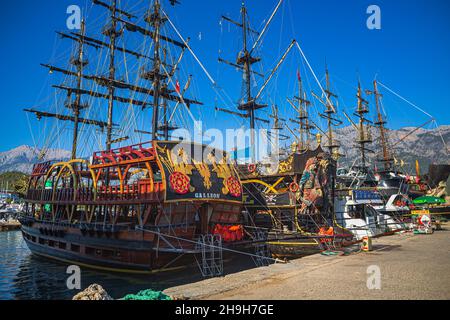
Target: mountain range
(425,145)
(22,159)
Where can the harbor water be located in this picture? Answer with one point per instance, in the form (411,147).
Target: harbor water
(26,276)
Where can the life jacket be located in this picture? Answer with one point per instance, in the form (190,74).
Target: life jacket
(229,233)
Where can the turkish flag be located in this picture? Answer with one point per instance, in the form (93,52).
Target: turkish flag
(177,87)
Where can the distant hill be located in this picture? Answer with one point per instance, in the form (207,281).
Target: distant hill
(22,159)
(424,145)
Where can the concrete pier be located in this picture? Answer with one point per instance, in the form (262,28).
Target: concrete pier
(410,266)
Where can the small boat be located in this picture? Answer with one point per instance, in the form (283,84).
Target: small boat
(365,214)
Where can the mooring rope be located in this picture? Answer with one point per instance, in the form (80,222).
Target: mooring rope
(211,246)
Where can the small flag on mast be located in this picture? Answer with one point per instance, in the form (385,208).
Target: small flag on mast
(177,87)
(299,75)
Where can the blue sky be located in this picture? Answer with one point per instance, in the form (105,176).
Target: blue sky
(410,54)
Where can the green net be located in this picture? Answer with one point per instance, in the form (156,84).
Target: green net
(147,295)
(330,253)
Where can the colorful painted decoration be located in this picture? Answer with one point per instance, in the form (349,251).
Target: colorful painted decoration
(180,183)
(234,186)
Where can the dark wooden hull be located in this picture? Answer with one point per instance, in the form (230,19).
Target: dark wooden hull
(102,252)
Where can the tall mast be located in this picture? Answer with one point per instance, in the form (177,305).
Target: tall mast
(112,33)
(303,117)
(165,125)
(330,112)
(76,107)
(244,62)
(329,116)
(159,89)
(155,20)
(247,61)
(363,131)
(305,128)
(277,127)
(387,159)
(160,72)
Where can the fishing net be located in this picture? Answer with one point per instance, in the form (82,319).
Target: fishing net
(147,295)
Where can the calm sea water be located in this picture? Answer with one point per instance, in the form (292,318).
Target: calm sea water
(25,276)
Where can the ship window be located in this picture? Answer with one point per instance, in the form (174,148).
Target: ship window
(157,176)
(89,250)
(356,212)
(51,243)
(370,211)
(62,245)
(75,248)
(33,239)
(107,253)
(41,241)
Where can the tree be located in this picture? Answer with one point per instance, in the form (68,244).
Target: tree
(15,182)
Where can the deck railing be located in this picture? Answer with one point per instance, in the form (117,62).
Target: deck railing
(133,192)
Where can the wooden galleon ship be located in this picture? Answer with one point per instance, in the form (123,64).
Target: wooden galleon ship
(145,207)
(290,194)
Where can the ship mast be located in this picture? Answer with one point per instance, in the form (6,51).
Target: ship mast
(277,127)
(79,62)
(112,33)
(329,116)
(160,72)
(363,130)
(156,20)
(303,116)
(245,62)
(76,106)
(387,158)
(110,82)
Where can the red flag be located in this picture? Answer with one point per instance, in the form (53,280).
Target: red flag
(177,87)
(299,76)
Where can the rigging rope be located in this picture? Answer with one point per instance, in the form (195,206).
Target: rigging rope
(407,101)
(189,48)
(421,110)
(314,74)
(210,246)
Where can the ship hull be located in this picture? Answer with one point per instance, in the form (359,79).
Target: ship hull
(102,253)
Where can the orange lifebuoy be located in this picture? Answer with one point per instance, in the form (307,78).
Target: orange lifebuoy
(251,168)
(294,187)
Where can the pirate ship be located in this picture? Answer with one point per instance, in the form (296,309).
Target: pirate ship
(290,194)
(145,207)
